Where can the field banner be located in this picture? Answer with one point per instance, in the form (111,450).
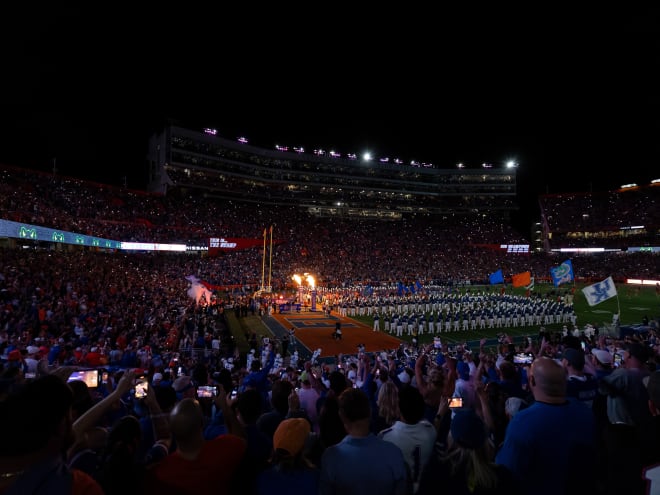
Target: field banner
(563,273)
(522,279)
(600,291)
(496,277)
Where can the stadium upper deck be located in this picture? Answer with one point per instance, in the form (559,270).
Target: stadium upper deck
(615,219)
(325,185)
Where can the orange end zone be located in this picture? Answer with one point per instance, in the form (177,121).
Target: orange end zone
(314,330)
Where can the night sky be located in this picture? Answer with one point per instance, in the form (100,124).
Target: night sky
(571,95)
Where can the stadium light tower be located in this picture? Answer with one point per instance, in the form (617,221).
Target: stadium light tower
(511,164)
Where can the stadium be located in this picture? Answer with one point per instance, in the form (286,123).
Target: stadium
(351,223)
(244,259)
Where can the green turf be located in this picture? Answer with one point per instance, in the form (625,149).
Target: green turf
(635,302)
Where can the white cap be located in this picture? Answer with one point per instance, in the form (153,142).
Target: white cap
(513,405)
(404,377)
(157,377)
(603,356)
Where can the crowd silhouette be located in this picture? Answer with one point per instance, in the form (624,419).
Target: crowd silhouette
(130,315)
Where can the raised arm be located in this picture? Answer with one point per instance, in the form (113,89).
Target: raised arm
(225,403)
(96,412)
(159,421)
(419,374)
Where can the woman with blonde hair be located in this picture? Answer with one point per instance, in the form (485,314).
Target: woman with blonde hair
(467,466)
(387,407)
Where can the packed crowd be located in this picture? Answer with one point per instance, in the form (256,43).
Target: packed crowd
(214,421)
(339,252)
(618,219)
(556,414)
(278,191)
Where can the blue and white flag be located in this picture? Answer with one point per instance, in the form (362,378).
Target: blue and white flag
(496,278)
(563,273)
(600,291)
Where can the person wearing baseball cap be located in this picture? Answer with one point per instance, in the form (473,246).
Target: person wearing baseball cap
(628,417)
(581,385)
(467,465)
(290,471)
(290,437)
(601,360)
(553,431)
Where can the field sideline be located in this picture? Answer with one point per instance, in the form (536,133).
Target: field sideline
(634,301)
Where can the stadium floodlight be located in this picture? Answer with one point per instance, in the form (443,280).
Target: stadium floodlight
(460,165)
(511,164)
(366,156)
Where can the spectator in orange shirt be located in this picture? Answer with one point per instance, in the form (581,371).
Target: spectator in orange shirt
(198,465)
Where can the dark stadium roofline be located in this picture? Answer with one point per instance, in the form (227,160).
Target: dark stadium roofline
(271,153)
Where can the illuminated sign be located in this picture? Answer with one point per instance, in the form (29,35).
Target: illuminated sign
(18,230)
(152,246)
(221,243)
(515,248)
(233,244)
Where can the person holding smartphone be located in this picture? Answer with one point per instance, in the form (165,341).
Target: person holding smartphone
(31,459)
(581,385)
(206,392)
(464,388)
(467,466)
(553,431)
